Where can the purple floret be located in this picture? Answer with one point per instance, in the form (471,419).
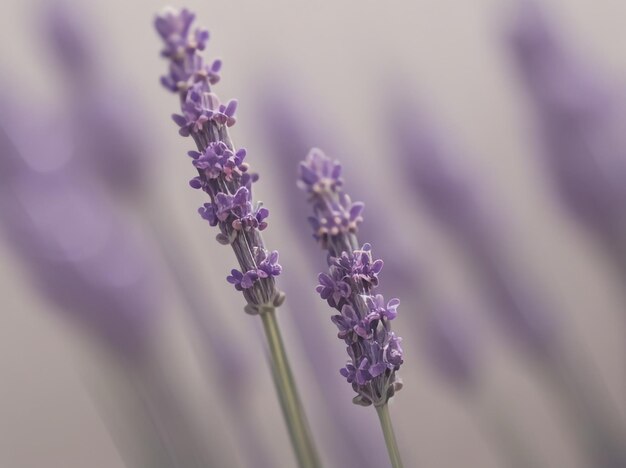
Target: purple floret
(332,288)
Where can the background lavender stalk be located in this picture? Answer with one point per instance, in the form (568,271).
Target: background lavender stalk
(89,264)
(452,344)
(363,319)
(580,120)
(224,176)
(67,233)
(456,203)
(108,121)
(113,149)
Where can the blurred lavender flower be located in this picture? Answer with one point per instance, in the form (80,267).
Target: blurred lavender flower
(452,347)
(65,32)
(108,120)
(363,319)
(78,251)
(580,122)
(92,263)
(580,119)
(455,200)
(222,172)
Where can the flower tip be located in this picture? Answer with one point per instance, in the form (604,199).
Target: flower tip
(231,108)
(180,120)
(216,66)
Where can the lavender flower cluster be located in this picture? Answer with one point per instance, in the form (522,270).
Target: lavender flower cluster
(364,316)
(222,172)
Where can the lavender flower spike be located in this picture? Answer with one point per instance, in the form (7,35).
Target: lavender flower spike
(224,176)
(222,172)
(364,316)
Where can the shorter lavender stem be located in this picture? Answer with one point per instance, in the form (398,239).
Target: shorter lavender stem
(293,412)
(390,438)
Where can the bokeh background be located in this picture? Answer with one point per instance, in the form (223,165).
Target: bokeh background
(79,390)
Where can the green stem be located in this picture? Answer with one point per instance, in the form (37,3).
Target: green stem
(390,438)
(288,395)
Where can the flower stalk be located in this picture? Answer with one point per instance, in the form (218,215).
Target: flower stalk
(390,437)
(225,177)
(289,399)
(364,317)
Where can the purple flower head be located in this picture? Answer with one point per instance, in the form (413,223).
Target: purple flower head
(254,219)
(201,107)
(364,317)
(359,266)
(173,27)
(393,351)
(266,267)
(182,75)
(222,173)
(200,39)
(242,280)
(346,322)
(333,220)
(207,211)
(333,288)
(319,174)
(349,372)
(218,159)
(362,374)
(267,263)
(377,305)
(237,209)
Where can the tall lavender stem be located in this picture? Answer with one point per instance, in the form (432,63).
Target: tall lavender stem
(285,385)
(390,437)
(349,287)
(224,176)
